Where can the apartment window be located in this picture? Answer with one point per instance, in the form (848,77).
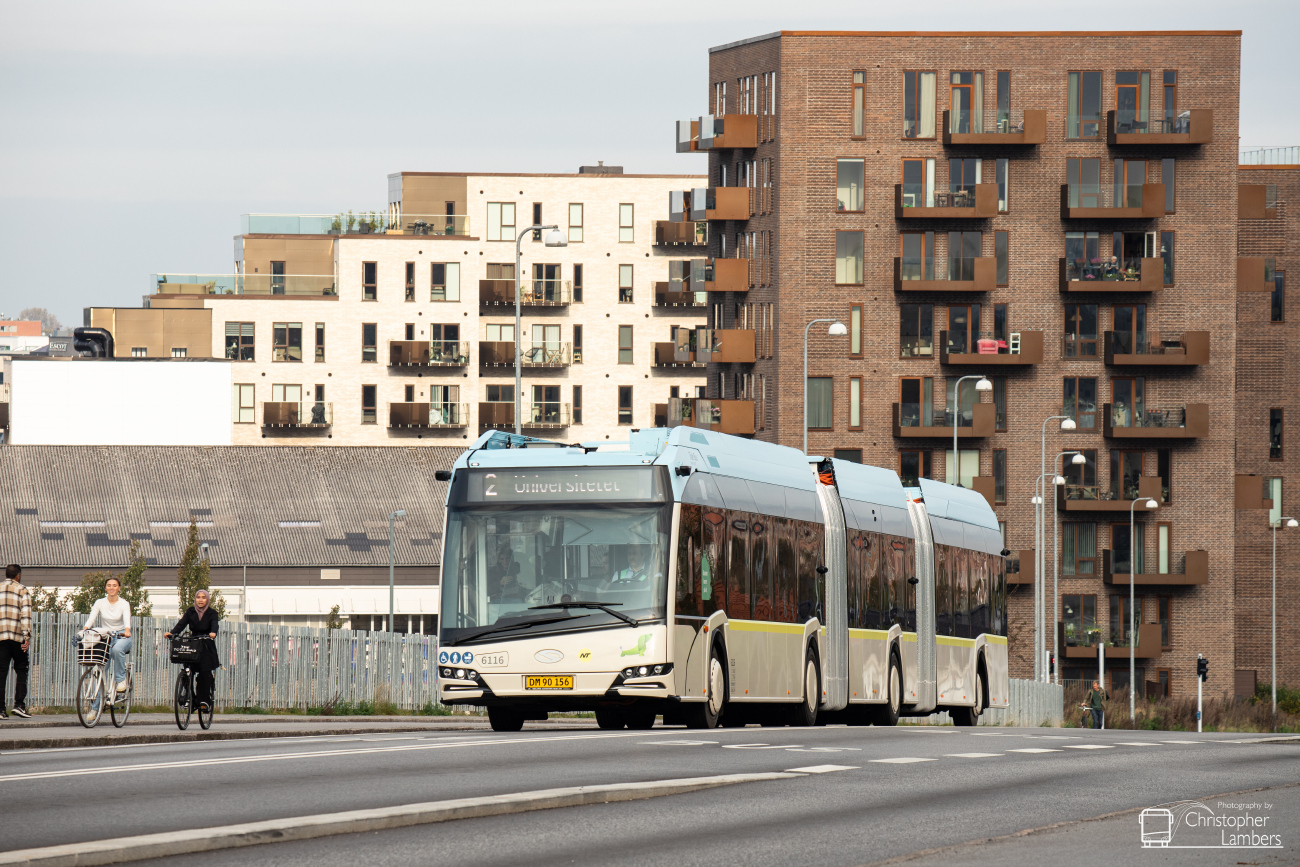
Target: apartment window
(851,455)
(1125,473)
(916,401)
(577,344)
(859,101)
(577,404)
(1275,496)
(966,93)
(855,329)
(537,220)
(1166,253)
(855,402)
(1275,434)
(1278,313)
(369,341)
(1171,98)
(320,341)
(410,281)
(182,352)
(1121,550)
(1000,245)
(1163,541)
(1123,618)
(577,284)
(624,284)
(1166,604)
(1080,331)
(501,221)
(1078,549)
(499,333)
(368,413)
(999,475)
(966,466)
(999,402)
(963,175)
(626,230)
(444,281)
(245,410)
(819,403)
(848,257)
(913,465)
(1168,177)
(1083,114)
(410,331)
(410,394)
(918,104)
(916,260)
(1004,101)
(239,341)
(1081,401)
(849,178)
(286,341)
(963,329)
(1129,176)
(625,404)
(1000,322)
(625,344)
(1164,471)
(500,394)
(1002,168)
(963,250)
(277,278)
(575,222)
(369,281)
(1132,95)
(1079,616)
(501,271)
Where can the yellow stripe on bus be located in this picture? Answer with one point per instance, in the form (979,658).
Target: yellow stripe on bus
(996,639)
(946,641)
(909,636)
(762,626)
(878,634)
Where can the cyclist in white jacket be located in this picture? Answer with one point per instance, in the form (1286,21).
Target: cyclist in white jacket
(114,614)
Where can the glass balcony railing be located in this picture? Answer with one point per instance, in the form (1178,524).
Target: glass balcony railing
(243,284)
(979,343)
(924,268)
(449,352)
(1097,196)
(1122,415)
(362,223)
(917,196)
(1112,269)
(1080,346)
(918,415)
(547,414)
(297,413)
(964,121)
(1137,122)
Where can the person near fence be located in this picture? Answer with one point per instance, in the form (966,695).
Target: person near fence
(201,618)
(1096,696)
(114,614)
(15,638)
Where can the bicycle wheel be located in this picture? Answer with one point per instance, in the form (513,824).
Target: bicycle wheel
(120,710)
(182,704)
(90,696)
(205,717)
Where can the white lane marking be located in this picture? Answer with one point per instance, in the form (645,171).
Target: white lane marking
(1135,744)
(1034,750)
(902,760)
(938,730)
(1055,737)
(972,755)
(234,760)
(822,769)
(750,747)
(1088,746)
(822,750)
(1032,737)
(675,743)
(1182,742)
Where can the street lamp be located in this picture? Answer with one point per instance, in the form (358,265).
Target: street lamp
(554,238)
(1040,580)
(1040,563)
(1132,615)
(1077,460)
(837,329)
(982,385)
(1291,523)
(392,517)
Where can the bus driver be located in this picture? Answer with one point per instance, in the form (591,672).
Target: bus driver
(637,573)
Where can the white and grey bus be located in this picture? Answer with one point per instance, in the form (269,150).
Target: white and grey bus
(713,580)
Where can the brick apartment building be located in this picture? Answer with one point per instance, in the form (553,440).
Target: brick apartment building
(1053,211)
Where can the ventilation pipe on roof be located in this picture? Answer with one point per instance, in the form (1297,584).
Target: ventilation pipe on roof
(97,341)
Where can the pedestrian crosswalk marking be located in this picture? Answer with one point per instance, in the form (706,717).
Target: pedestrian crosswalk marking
(1088,747)
(1033,750)
(822,769)
(902,760)
(972,755)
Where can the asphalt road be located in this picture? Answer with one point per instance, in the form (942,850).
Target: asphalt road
(888,793)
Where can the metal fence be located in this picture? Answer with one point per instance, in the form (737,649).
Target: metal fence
(1033,703)
(262,665)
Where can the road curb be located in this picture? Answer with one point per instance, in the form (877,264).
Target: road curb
(192,841)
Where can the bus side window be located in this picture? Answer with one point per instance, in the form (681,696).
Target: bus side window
(810,583)
(761,563)
(738,565)
(786,579)
(908,568)
(961,598)
(871,579)
(942,591)
(688,559)
(713,587)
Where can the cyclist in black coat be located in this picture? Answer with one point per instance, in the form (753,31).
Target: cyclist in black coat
(202,619)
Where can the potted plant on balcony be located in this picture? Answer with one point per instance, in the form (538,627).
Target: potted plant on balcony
(337,225)
(352,221)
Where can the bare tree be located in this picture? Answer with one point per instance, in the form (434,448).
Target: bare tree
(49,322)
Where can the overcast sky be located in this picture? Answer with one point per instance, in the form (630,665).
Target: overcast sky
(133,134)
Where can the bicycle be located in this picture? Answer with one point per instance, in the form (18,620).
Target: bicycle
(93,656)
(185,652)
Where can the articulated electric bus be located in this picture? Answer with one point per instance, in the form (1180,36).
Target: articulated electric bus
(713,580)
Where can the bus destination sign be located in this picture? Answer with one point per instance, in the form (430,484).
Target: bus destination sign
(557,485)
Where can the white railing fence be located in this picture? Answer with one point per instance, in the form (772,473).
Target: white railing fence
(1032,704)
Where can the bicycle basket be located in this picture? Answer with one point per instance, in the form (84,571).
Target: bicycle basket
(185,650)
(92,652)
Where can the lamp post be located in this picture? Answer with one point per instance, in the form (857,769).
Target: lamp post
(554,238)
(837,329)
(1077,460)
(1132,615)
(392,517)
(982,385)
(1291,523)
(1040,580)
(1040,563)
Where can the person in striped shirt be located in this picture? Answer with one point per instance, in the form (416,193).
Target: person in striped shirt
(15,637)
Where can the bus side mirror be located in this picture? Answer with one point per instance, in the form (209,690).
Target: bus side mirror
(684,470)
(913,581)
(442,475)
(1006,552)
(822,570)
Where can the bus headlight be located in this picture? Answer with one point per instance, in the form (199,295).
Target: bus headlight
(643,671)
(460,674)
(473,675)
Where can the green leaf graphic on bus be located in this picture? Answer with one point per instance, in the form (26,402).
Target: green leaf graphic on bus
(641,644)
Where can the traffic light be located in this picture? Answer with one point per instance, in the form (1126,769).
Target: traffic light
(1202,668)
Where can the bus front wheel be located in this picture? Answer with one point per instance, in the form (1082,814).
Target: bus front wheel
(705,714)
(887,714)
(969,716)
(805,713)
(505,719)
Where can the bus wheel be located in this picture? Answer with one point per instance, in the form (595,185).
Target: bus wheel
(610,718)
(505,719)
(887,714)
(704,715)
(805,713)
(640,720)
(969,716)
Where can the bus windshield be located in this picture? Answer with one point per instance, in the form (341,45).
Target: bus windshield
(502,562)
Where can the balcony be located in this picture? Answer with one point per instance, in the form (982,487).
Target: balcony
(1091,498)
(690,234)
(1148,645)
(1255,274)
(1146,202)
(724,346)
(1178,423)
(912,422)
(669,355)
(1027,127)
(1194,126)
(670,294)
(289,285)
(428,353)
(501,353)
(1024,348)
(496,415)
(4,415)
(545,416)
(1130,275)
(985,486)
(977,203)
(1250,490)
(428,416)
(1195,570)
(1023,569)
(361,223)
(976,274)
(1257,201)
(735,417)
(308,414)
(536,293)
(717,132)
(729,203)
(1157,349)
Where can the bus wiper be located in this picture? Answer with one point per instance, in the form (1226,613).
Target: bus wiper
(523,625)
(603,606)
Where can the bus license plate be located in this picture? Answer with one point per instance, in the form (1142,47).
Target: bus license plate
(548,681)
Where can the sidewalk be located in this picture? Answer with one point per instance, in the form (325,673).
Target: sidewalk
(64,730)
